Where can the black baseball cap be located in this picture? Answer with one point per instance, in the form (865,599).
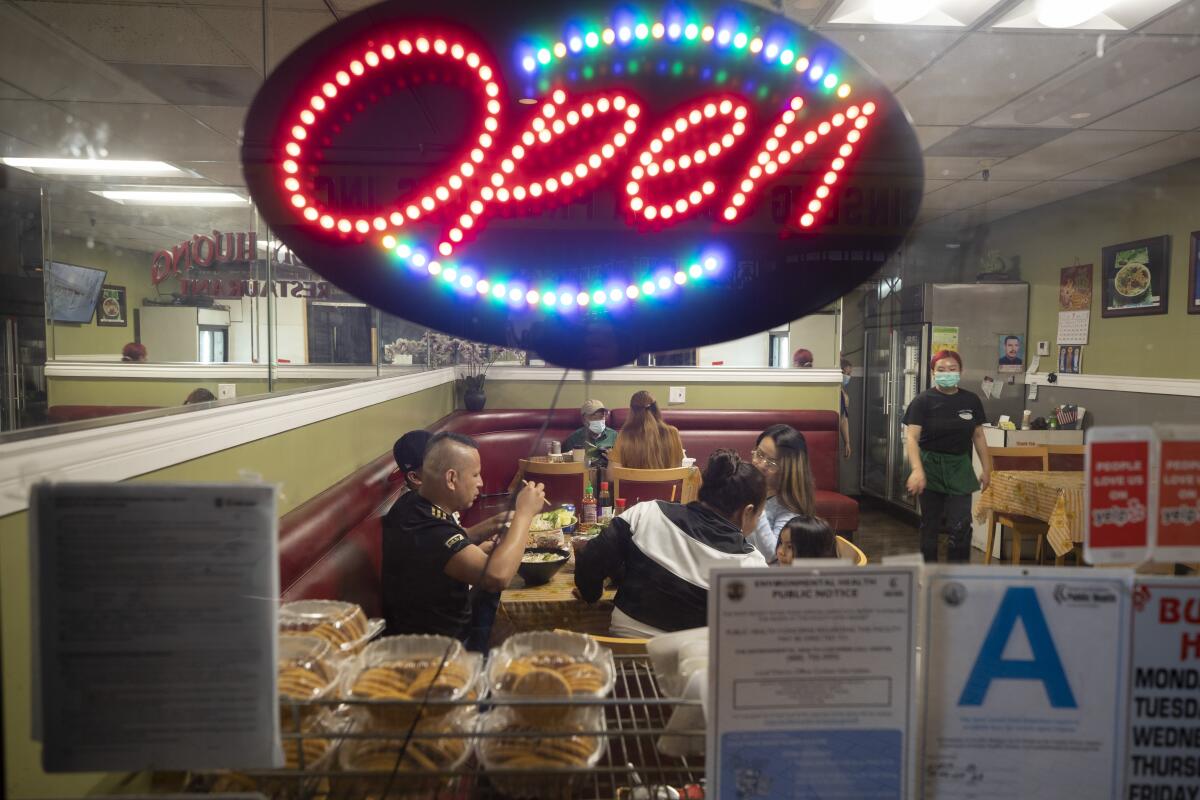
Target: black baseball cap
(409,450)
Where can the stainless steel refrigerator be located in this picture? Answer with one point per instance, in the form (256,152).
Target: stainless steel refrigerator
(899,337)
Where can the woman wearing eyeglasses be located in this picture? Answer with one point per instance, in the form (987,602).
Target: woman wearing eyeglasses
(781,455)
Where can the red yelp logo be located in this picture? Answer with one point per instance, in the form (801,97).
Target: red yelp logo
(568,146)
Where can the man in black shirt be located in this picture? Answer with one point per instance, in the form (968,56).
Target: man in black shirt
(430,561)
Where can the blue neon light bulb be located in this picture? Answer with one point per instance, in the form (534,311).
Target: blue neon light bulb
(624,33)
(575,44)
(710,263)
(674,31)
(664,282)
(816,72)
(724,36)
(529,64)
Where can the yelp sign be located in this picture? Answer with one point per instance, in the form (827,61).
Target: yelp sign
(642,118)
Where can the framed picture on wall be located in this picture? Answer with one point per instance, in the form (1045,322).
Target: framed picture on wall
(1070,359)
(1134,277)
(1193,298)
(111,311)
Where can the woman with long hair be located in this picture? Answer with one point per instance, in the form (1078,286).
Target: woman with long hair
(942,424)
(664,551)
(781,455)
(645,441)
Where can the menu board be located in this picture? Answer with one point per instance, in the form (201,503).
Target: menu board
(1021,670)
(811,682)
(156,606)
(1164,756)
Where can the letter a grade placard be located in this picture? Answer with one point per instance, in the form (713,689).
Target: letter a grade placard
(1022,679)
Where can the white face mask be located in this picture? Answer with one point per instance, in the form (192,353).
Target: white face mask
(596,426)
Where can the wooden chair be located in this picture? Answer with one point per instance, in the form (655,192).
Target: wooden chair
(681,484)
(618,644)
(847,549)
(1017,459)
(1065,457)
(552,474)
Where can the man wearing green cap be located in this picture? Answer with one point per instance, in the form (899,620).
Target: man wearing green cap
(595,437)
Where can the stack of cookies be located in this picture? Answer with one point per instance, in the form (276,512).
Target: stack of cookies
(305,674)
(549,765)
(409,670)
(343,625)
(440,744)
(549,674)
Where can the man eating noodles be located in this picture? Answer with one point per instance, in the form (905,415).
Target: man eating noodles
(429,561)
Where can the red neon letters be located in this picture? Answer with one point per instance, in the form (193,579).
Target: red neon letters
(535,170)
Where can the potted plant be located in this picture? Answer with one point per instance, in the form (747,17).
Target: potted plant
(477,361)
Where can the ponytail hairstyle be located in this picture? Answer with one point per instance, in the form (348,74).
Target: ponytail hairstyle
(731,484)
(797,492)
(646,441)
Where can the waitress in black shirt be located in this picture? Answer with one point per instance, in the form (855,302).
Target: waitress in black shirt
(943,422)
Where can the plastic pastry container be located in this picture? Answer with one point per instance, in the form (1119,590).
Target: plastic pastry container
(441,744)
(305,673)
(542,665)
(545,766)
(405,669)
(343,625)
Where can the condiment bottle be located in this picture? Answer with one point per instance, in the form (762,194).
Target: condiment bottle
(620,506)
(604,504)
(589,507)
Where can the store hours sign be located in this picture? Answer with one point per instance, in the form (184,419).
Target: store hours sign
(589,181)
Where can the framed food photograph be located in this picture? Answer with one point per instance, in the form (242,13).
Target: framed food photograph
(111,311)
(1134,277)
(1193,299)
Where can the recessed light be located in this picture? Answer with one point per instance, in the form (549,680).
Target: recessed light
(1069,13)
(93,166)
(172,197)
(900,12)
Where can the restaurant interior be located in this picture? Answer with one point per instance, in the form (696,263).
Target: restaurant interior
(159,326)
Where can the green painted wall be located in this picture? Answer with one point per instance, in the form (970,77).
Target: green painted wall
(304,461)
(1073,232)
(518,394)
(128,268)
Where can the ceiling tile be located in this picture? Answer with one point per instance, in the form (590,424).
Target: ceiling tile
(993,142)
(1176,109)
(10,92)
(1040,195)
(189,84)
(148,34)
(953,168)
(929,135)
(220,173)
(46,127)
(1159,155)
(1129,71)
(895,56)
(965,194)
(141,131)
(986,71)
(1185,19)
(225,120)
(932,185)
(1074,151)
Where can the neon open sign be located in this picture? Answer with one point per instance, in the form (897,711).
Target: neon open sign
(588,185)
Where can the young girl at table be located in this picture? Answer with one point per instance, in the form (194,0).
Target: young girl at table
(805,537)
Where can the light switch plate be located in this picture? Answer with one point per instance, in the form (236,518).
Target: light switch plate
(678,394)
(1043,348)
(225,391)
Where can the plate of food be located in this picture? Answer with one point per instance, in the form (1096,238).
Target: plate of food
(557,519)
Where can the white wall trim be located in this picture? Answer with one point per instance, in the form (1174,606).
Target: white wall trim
(87,368)
(124,450)
(1180,387)
(683,375)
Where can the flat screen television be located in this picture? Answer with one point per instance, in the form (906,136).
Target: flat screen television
(73,292)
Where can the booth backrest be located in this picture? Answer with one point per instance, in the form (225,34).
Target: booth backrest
(331,546)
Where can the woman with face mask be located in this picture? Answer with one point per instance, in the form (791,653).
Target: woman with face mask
(942,425)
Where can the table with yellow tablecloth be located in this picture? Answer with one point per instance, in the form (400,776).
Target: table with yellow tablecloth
(1054,497)
(553,606)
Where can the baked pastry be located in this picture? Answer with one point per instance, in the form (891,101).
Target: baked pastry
(304,675)
(528,747)
(423,755)
(549,674)
(343,625)
(313,748)
(411,679)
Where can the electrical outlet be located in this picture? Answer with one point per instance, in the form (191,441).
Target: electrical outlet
(678,394)
(225,391)
(1043,348)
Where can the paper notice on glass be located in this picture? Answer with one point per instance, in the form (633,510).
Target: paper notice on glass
(1073,327)
(1164,755)
(1022,675)
(156,606)
(811,683)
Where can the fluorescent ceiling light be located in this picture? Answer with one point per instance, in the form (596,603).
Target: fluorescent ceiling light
(93,166)
(900,12)
(1069,13)
(172,197)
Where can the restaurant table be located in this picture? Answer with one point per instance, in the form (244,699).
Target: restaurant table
(1056,498)
(553,605)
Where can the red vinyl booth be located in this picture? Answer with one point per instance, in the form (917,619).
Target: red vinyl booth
(330,546)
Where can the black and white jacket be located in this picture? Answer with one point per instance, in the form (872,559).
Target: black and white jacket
(663,553)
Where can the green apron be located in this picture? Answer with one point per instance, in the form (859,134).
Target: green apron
(949,474)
